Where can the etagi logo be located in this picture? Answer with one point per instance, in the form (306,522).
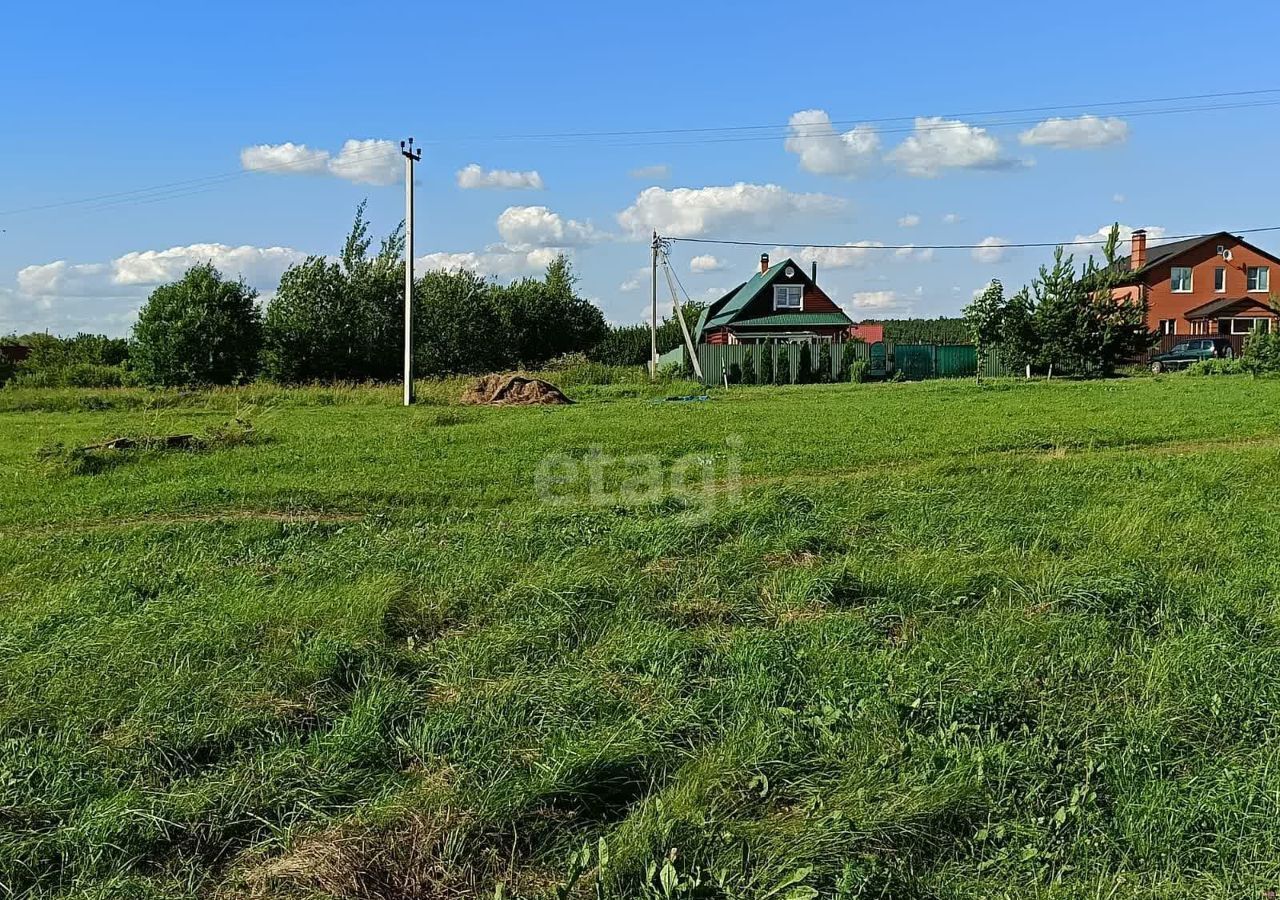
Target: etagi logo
(702,479)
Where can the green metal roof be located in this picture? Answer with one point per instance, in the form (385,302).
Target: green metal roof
(800,318)
(746,294)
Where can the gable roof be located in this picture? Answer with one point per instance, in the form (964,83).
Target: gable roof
(746,293)
(732,305)
(1165,252)
(1157,255)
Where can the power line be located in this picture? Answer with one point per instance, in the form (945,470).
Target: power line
(870,121)
(923,128)
(1011,245)
(187,187)
(174,187)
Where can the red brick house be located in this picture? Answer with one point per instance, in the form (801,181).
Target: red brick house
(1212,284)
(779,303)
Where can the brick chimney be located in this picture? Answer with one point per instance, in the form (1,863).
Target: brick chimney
(1138,249)
(764,263)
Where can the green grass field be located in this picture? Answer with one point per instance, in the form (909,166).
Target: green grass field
(894,641)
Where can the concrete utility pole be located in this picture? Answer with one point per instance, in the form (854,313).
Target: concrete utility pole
(653,312)
(411,156)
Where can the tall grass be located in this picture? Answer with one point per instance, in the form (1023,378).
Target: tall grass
(943,641)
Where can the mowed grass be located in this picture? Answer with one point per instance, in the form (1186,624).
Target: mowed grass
(894,641)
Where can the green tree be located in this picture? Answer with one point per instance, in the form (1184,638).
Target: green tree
(542,319)
(824,363)
(782,366)
(749,375)
(1114,326)
(201,329)
(1058,313)
(1018,335)
(804,373)
(764,375)
(340,320)
(456,325)
(982,315)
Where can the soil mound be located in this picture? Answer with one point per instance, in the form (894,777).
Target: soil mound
(514,390)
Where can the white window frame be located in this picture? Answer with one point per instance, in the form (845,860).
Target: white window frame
(781,291)
(1220,280)
(1264,283)
(1190,280)
(1253,323)
(1168,326)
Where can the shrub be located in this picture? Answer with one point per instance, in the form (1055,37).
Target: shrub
(782,369)
(859,371)
(1261,353)
(804,369)
(824,363)
(749,366)
(735,373)
(1233,366)
(765,373)
(201,329)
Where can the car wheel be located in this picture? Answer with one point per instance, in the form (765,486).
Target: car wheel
(1157,367)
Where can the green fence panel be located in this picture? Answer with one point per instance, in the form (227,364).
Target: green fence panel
(955,361)
(915,361)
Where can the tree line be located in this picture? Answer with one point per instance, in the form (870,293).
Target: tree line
(1064,321)
(342,319)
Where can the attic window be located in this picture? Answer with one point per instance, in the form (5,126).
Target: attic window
(788,296)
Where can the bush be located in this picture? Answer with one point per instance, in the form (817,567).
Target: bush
(735,373)
(1261,353)
(201,329)
(1232,366)
(764,375)
(749,367)
(782,368)
(859,371)
(824,363)
(804,367)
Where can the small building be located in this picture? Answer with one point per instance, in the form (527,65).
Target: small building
(1215,284)
(780,302)
(14,353)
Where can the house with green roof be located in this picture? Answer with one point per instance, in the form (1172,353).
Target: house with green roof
(780,302)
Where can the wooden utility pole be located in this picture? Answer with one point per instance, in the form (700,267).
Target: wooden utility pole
(653,310)
(411,156)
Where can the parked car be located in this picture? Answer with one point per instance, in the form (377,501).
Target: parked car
(1184,353)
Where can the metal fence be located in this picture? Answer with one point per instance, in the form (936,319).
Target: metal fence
(883,360)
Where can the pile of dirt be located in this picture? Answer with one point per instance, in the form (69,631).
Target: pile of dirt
(514,390)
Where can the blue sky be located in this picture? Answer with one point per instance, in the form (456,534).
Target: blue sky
(243,111)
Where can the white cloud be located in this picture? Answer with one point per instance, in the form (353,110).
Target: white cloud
(880,303)
(473,177)
(690,212)
(991,250)
(911,252)
(658,172)
(706,263)
(939,144)
(363,162)
(1084,132)
(369,162)
(950,218)
(496,260)
(823,151)
(1117,198)
(284,159)
(855,255)
(527,227)
(106,296)
(1085,244)
(911,220)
